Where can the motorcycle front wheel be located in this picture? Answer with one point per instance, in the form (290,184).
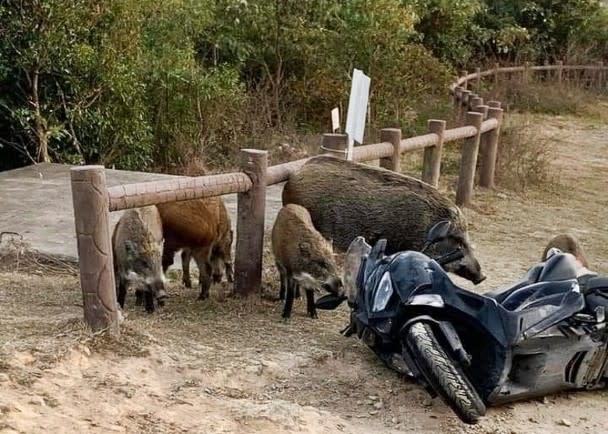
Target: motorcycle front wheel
(443,374)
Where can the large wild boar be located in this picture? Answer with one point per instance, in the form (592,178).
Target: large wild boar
(346,200)
(303,257)
(568,244)
(137,245)
(201,227)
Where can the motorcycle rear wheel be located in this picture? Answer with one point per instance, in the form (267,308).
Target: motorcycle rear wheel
(443,374)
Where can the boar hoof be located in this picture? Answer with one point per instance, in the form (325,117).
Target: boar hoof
(202,296)
(313,315)
(187,283)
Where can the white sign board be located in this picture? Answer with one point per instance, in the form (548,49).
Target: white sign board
(335,120)
(357,110)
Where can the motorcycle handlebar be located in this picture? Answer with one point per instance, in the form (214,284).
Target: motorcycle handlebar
(450,257)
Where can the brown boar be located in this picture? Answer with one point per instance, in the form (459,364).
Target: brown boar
(568,244)
(303,257)
(137,245)
(346,200)
(201,227)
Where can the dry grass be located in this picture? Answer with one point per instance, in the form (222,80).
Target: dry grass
(18,256)
(524,156)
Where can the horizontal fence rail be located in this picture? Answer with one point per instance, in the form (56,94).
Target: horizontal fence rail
(478,127)
(156,192)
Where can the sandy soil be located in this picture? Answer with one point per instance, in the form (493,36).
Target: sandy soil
(228,366)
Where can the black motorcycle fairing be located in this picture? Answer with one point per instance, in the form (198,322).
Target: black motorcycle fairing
(422,284)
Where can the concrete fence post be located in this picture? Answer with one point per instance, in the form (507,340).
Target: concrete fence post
(464,73)
(525,77)
(488,158)
(457,103)
(431,167)
(464,104)
(468,161)
(478,80)
(334,144)
(560,71)
(92,221)
(475,102)
(496,68)
(483,109)
(392,135)
(599,75)
(250,224)
(495,104)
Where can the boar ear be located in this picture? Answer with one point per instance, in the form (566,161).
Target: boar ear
(305,249)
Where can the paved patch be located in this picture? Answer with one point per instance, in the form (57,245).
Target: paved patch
(36,201)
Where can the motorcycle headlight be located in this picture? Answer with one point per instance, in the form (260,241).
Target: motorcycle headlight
(383,293)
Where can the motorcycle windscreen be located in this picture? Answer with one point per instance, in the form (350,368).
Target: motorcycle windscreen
(544,304)
(356,252)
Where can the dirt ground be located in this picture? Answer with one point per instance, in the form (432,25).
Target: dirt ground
(228,366)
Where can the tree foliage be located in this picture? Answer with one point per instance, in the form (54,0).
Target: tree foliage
(141,84)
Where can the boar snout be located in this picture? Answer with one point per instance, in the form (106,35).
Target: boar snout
(334,285)
(470,269)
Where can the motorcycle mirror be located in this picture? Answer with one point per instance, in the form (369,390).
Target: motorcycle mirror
(357,250)
(377,251)
(329,301)
(438,232)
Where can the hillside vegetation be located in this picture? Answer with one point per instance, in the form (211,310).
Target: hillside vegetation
(181,85)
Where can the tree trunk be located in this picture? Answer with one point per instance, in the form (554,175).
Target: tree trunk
(39,122)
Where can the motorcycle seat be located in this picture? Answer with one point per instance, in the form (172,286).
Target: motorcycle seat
(593,283)
(557,268)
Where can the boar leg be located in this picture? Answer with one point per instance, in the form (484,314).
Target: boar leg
(201,256)
(229,272)
(139,297)
(186,255)
(149,300)
(291,286)
(169,250)
(284,283)
(310,303)
(121,292)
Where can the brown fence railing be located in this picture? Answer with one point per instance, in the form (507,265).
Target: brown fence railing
(93,200)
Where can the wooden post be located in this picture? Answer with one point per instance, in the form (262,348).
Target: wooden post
(560,71)
(496,68)
(495,104)
(468,161)
(92,221)
(475,102)
(250,224)
(478,80)
(483,109)
(464,73)
(334,144)
(392,135)
(457,103)
(431,168)
(525,78)
(488,158)
(464,106)
(598,75)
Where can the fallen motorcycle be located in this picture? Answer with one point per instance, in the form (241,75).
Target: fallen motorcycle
(544,334)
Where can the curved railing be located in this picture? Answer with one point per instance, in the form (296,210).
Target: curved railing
(479,127)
